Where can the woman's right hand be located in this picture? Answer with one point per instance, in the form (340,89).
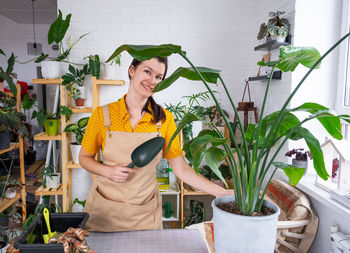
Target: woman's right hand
(119,173)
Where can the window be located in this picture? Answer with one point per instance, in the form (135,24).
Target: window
(342,103)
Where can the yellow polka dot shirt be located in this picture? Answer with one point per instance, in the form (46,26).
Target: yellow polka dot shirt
(95,134)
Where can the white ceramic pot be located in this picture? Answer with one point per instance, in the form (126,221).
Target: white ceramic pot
(10,193)
(300,164)
(279,38)
(50,69)
(54,182)
(110,72)
(75,152)
(242,234)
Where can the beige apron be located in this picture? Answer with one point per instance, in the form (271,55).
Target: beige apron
(132,205)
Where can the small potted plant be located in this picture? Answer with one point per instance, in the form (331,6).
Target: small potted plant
(79,130)
(10,120)
(300,157)
(51,121)
(196,212)
(95,65)
(111,69)
(51,179)
(74,83)
(276,27)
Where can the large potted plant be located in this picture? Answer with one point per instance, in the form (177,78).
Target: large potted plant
(78,129)
(242,231)
(74,83)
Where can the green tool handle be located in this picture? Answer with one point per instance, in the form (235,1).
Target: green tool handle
(131,165)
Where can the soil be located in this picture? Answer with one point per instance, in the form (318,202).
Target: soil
(231,207)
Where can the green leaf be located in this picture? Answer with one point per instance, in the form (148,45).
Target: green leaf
(58,28)
(293,173)
(214,156)
(83,122)
(27,102)
(10,64)
(330,122)
(188,118)
(209,75)
(269,63)
(146,52)
(315,150)
(65,110)
(41,58)
(290,57)
(2,52)
(71,128)
(94,62)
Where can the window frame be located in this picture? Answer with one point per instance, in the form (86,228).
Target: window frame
(344,64)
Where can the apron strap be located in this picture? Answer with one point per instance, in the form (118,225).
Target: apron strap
(107,118)
(108,124)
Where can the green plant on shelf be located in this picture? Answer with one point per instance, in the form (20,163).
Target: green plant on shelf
(42,115)
(196,212)
(78,129)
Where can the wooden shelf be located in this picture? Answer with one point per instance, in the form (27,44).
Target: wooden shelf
(191,192)
(49,191)
(109,82)
(13,145)
(81,110)
(277,75)
(73,165)
(44,137)
(5,203)
(47,81)
(272,44)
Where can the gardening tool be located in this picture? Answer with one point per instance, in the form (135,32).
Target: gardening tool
(144,154)
(47,220)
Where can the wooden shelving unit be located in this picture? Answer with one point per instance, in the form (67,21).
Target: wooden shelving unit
(62,188)
(7,202)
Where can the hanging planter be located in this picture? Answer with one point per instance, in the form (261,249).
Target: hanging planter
(52,126)
(240,233)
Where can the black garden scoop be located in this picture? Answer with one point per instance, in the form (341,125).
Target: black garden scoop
(144,154)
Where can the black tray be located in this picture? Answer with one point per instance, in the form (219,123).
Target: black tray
(31,240)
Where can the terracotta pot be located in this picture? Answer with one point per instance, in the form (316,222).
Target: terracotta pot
(79,102)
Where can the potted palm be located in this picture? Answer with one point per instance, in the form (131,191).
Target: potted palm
(244,231)
(74,83)
(79,130)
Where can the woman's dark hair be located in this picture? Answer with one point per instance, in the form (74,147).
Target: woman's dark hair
(156,110)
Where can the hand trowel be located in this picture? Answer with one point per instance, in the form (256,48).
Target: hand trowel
(144,154)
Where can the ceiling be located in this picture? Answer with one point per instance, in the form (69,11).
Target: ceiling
(21,11)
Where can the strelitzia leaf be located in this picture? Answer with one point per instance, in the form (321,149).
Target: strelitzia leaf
(146,52)
(214,156)
(315,150)
(330,122)
(293,173)
(188,118)
(209,75)
(290,57)
(58,28)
